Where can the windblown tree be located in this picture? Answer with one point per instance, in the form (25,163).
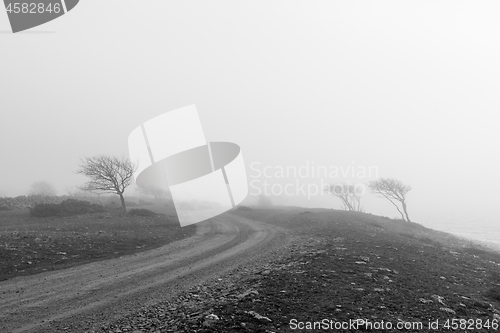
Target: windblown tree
(42,188)
(349,194)
(393,190)
(108,174)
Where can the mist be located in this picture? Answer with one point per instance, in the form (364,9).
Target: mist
(401,90)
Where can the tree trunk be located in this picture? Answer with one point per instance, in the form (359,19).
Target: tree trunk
(400,212)
(122,199)
(406,212)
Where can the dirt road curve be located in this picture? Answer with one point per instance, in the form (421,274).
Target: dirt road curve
(81,298)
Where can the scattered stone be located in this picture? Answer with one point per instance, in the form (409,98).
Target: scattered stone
(438,298)
(212,317)
(249,292)
(230,293)
(258,316)
(448,310)
(425,301)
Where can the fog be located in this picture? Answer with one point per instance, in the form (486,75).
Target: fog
(397,89)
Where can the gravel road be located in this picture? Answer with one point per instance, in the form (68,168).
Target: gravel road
(85,297)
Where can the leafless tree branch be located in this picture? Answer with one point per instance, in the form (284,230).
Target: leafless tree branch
(392,189)
(348,194)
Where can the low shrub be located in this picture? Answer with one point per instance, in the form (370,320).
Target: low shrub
(429,241)
(141,212)
(376,225)
(244,208)
(186,206)
(45,210)
(494,294)
(4,208)
(76,207)
(65,208)
(474,251)
(145,202)
(487,255)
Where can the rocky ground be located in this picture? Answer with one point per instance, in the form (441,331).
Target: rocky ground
(345,273)
(30,245)
(87,296)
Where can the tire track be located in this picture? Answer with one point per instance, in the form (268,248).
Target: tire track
(83,297)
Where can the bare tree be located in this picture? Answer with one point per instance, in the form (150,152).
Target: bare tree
(42,188)
(349,194)
(108,174)
(393,190)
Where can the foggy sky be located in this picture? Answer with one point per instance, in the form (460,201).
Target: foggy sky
(409,87)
